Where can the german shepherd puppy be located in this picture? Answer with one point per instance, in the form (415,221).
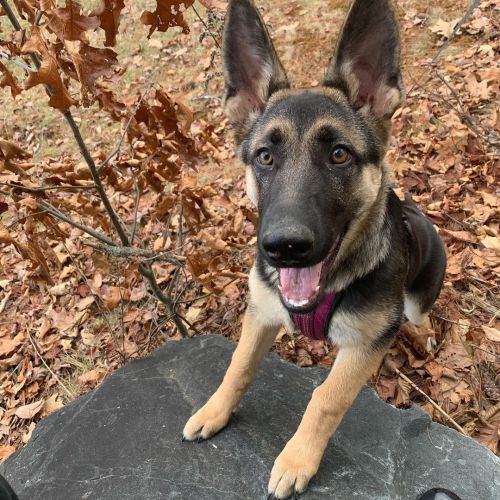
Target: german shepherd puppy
(338,253)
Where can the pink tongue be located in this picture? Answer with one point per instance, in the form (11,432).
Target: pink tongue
(299,283)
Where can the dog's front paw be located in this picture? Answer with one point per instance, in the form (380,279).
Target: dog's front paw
(208,420)
(293,469)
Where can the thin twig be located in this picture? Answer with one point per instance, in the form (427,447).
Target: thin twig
(431,401)
(50,209)
(127,126)
(127,252)
(472,7)
(138,194)
(484,350)
(206,27)
(147,272)
(17,63)
(68,392)
(41,189)
(96,178)
(441,49)
(13,20)
(489,135)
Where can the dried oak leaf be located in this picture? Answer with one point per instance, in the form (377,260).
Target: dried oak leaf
(6,451)
(10,151)
(109,12)
(8,80)
(30,410)
(168,14)
(48,73)
(489,434)
(68,23)
(91,63)
(27,9)
(8,345)
(30,251)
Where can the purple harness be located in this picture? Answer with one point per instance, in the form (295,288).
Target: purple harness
(314,324)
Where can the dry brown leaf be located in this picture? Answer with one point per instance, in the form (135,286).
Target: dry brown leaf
(464,236)
(491,333)
(168,14)
(92,376)
(444,28)
(48,73)
(492,242)
(52,404)
(109,12)
(11,151)
(6,451)
(489,435)
(111,295)
(8,80)
(304,358)
(8,345)
(91,63)
(30,410)
(68,23)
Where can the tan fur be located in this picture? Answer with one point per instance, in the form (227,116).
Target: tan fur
(256,339)
(360,328)
(251,186)
(339,125)
(266,303)
(261,324)
(282,94)
(300,459)
(282,125)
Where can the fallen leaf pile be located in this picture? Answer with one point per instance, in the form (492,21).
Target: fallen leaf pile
(74,308)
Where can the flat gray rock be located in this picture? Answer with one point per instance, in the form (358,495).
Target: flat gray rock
(123,440)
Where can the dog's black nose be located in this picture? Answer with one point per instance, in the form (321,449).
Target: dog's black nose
(288,246)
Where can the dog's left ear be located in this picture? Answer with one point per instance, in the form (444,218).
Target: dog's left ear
(366,64)
(252,70)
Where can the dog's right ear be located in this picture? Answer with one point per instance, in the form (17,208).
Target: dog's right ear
(252,70)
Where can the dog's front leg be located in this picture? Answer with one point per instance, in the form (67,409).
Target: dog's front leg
(257,337)
(300,459)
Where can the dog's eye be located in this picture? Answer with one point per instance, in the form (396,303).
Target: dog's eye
(340,155)
(265,158)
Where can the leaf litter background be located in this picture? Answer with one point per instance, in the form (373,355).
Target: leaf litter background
(144,82)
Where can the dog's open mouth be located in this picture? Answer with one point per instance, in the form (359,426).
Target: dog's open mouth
(301,288)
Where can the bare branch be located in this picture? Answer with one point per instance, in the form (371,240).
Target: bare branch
(138,194)
(68,392)
(50,209)
(97,180)
(206,27)
(472,7)
(127,252)
(457,426)
(443,47)
(41,189)
(17,63)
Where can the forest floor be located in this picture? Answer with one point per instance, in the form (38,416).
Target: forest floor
(59,338)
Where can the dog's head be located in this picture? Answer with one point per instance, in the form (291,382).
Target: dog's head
(314,157)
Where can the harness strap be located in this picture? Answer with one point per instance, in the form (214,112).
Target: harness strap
(314,324)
